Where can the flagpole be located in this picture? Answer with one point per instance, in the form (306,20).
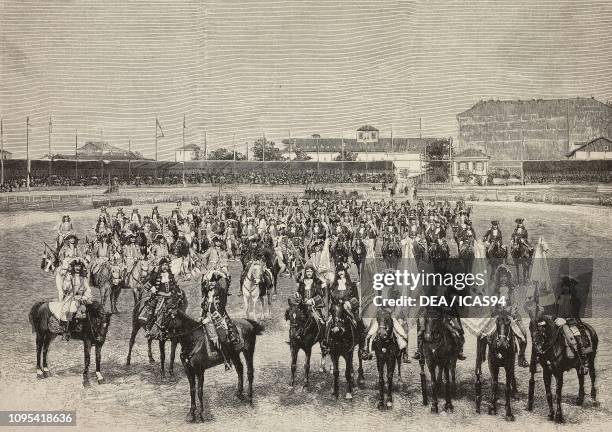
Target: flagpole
(2,151)
(342,157)
(290,151)
(28,153)
(263,153)
(129,160)
(156,125)
(50,158)
(318,158)
(183,150)
(76,155)
(234,147)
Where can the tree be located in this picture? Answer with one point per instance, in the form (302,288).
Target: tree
(301,155)
(438,165)
(224,154)
(271,151)
(347,156)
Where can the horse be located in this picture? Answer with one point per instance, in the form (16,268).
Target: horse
(502,354)
(439,256)
(466,255)
(92,331)
(137,325)
(439,347)
(257,285)
(359,253)
(522,257)
(134,280)
(102,279)
(392,252)
(342,337)
(197,355)
(388,354)
(340,252)
(549,349)
(304,333)
(496,256)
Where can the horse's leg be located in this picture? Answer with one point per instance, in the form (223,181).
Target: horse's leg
(390,371)
(162,357)
(240,372)
(559,414)
(348,374)
(99,376)
(592,375)
(248,356)
(494,369)
(434,388)
(308,352)
(172,355)
(335,361)
(135,328)
(191,416)
(381,381)
(115,297)
(87,355)
(398,359)
(448,406)
(532,370)
(360,375)
(509,374)
(45,350)
(40,341)
(547,375)
(270,304)
(247,301)
(200,382)
(150,350)
(423,380)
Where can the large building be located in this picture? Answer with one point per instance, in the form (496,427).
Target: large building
(533,129)
(190,152)
(99,150)
(408,154)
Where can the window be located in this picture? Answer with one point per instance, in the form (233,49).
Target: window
(462,165)
(360,135)
(479,166)
(605,148)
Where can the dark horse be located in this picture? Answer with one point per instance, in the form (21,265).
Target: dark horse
(198,354)
(466,255)
(439,347)
(522,257)
(439,256)
(342,337)
(340,252)
(549,348)
(103,280)
(496,255)
(137,325)
(502,354)
(359,252)
(304,333)
(388,354)
(392,252)
(92,331)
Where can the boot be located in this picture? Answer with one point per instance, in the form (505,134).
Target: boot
(66,335)
(584,364)
(460,355)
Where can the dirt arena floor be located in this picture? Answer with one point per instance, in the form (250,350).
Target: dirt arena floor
(136,398)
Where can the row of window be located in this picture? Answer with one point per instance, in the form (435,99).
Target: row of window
(478,166)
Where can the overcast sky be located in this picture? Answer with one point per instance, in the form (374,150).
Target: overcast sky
(252,67)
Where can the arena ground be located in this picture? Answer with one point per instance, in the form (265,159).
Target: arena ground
(135,397)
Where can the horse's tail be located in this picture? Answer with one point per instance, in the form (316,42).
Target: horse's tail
(32,314)
(258,328)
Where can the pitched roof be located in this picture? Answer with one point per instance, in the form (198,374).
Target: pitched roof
(100,150)
(6,152)
(471,153)
(399,145)
(190,147)
(492,106)
(593,143)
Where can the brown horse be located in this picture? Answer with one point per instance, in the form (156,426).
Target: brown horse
(92,331)
(197,355)
(549,348)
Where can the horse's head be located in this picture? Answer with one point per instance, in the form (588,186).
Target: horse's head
(116,274)
(297,315)
(502,339)
(385,326)
(433,331)
(255,272)
(337,317)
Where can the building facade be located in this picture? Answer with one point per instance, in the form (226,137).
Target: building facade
(470,166)
(539,129)
(190,152)
(98,150)
(597,149)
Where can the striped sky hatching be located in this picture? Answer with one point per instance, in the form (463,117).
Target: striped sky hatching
(108,68)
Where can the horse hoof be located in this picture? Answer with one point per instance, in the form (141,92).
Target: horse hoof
(201,418)
(449,408)
(239,395)
(389,404)
(434,410)
(99,378)
(381,405)
(40,374)
(151,360)
(305,387)
(580,401)
(551,416)
(492,411)
(559,418)
(86,383)
(510,418)
(191,418)
(349,396)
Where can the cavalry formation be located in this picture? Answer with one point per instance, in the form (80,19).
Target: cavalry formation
(318,244)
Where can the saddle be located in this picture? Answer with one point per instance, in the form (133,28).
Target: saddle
(223,332)
(580,334)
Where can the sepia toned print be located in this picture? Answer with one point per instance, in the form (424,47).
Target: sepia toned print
(305,215)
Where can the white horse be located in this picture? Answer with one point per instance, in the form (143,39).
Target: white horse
(257,285)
